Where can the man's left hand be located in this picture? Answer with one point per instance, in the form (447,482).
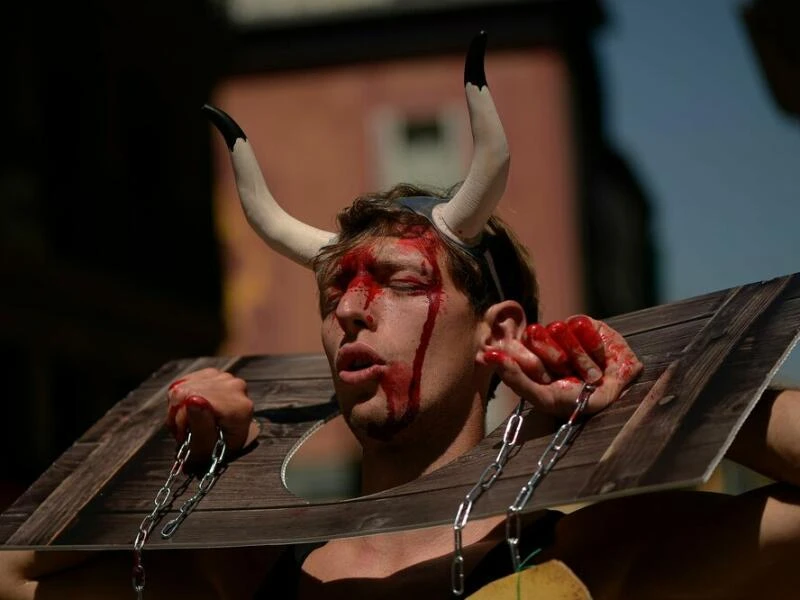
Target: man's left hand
(549,365)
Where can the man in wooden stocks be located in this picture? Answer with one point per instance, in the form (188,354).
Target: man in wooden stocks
(427,303)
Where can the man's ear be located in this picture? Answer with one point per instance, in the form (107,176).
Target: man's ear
(504,322)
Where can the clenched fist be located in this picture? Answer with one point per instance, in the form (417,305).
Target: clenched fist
(204,400)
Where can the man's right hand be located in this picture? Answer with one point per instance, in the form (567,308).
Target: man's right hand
(207,399)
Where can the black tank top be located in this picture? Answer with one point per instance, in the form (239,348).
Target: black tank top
(284,578)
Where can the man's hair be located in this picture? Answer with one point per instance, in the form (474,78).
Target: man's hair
(378,215)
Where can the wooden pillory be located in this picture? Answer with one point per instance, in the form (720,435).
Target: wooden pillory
(707,360)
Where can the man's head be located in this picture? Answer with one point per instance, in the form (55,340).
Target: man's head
(406,311)
(380,215)
(432,270)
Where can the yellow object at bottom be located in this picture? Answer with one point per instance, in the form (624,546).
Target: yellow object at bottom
(552,580)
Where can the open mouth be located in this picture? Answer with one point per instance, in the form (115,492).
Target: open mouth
(358,363)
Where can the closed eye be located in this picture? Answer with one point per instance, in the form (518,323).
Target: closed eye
(409,284)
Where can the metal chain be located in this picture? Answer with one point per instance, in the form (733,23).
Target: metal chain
(550,456)
(487,478)
(217,455)
(162,498)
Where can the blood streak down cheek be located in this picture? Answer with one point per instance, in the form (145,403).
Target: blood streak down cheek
(398,386)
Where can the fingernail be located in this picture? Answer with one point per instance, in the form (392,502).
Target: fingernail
(497,357)
(175,384)
(195,404)
(557,328)
(594,375)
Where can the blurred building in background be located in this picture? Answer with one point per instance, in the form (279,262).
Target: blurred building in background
(340,99)
(122,240)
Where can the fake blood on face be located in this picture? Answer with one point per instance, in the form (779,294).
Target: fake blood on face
(356,266)
(400,386)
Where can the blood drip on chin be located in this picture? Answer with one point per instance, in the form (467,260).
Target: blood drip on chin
(396,384)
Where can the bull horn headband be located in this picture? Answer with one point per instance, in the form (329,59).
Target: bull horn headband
(461,219)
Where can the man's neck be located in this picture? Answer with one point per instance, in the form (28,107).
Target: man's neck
(385,466)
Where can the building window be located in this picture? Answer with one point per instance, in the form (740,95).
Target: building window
(420,149)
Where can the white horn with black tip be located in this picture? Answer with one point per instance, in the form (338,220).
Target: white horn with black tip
(282,232)
(465,215)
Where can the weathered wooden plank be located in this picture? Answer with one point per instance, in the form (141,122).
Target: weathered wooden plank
(665,315)
(725,403)
(88,478)
(275,395)
(11,521)
(296,366)
(312,522)
(49,480)
(642,440)
(134,487)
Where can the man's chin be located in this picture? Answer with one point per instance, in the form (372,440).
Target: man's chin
(370,423)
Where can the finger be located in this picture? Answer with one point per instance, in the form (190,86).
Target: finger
(529,362)
(177,422)
(538,340)
(253,432)
(586,331)
(583,363)
(176,412)
(518,381)
(203,427)
(178,391)
(621,359)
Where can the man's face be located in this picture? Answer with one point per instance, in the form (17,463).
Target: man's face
(400,338)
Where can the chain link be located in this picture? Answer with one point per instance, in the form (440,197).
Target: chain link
(487,478)
(162,498)
(558,444)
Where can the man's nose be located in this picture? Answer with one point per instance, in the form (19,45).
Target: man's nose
(352,311)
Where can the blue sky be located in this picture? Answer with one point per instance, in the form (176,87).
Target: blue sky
(687,103)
